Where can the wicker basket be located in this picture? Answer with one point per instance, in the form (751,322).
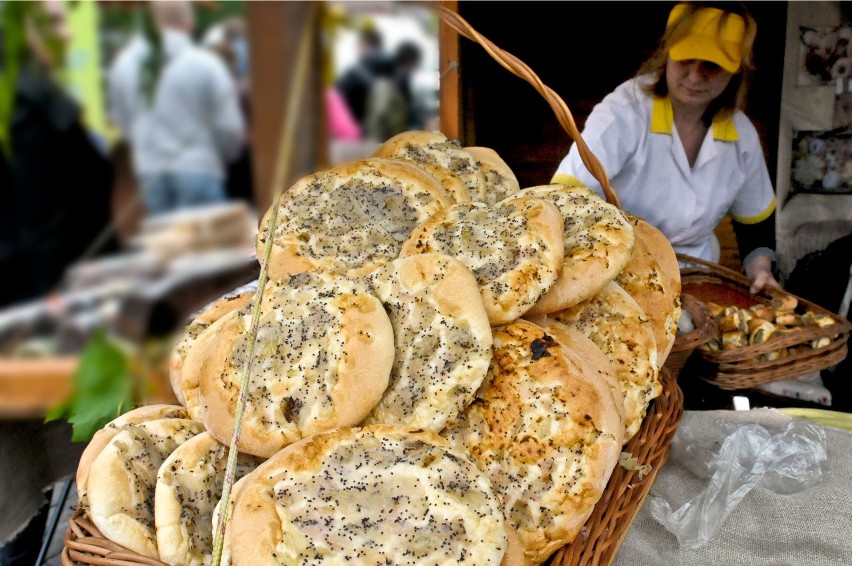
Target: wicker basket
(597,543)
(626,491)
(741,368)
(685,344)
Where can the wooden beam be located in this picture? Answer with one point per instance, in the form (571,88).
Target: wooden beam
(450,102)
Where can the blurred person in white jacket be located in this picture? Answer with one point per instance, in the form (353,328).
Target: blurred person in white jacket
(184,132)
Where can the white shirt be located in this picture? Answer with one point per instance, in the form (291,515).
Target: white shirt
(634,137)
(193,125)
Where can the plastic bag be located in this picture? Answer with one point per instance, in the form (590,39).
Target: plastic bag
(785,462)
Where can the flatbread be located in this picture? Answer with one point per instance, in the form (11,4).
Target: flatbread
(661,248)
(645,281)
(123,479)
(514,250)
(102,437)
(547,435)
(322,360)
(208,315)
(598,240)
(189,486)
(442,337)
(455,168)
(350,219)
(500,181)
(616,323)
(382,494)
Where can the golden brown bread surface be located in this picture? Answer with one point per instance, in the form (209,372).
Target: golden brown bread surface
(322,360)
(615,322)
(442,339)
(381,494)
(209,314)
(445,159)
(500,181)
(514,250)
(123,479)
(547,434)
(350,219)
(598,240)
(189,485)
(660,247)
(102,437)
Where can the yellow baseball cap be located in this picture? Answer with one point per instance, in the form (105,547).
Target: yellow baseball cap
(710,38)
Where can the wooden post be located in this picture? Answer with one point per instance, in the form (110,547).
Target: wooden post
(449,68)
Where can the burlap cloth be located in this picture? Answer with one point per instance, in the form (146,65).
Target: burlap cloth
(33,456)
(811,527)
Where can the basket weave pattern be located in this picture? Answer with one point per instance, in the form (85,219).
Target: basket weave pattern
(685,344)
(741,368)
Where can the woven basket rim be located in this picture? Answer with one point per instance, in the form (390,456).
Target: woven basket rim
(598,543)
(702,319)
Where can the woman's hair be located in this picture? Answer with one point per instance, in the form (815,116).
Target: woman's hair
(734,96)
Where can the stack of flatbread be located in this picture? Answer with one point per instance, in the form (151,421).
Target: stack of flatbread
(446,369)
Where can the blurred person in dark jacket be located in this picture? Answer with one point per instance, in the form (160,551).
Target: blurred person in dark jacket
(356,83)
(178,107)
(55,182)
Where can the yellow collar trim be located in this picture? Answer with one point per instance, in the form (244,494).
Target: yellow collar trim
(662,121)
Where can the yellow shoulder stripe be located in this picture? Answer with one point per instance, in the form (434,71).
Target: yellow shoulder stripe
(757,217)
(566,179)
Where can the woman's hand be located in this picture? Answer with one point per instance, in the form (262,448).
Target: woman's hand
(759,270)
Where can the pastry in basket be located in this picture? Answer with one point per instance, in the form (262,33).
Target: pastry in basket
(513,248)
(102,437)
(547,433)
(784,303)
(615,322)
(759,331)
(734,339)
(189,485)
(210,314)
(350,219)
(323,358)
(382,494)
(661,248)
(598,240)
(763,312)
(442,338)
(123,479)
(500,181)
(644,280)
(456,169)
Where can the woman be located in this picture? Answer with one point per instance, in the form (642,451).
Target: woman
(678,150)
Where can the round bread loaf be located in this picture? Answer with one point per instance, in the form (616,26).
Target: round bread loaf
(102,437)
(645,281)
(123,479)
(514,250)
(500,181)
(661,248)
(598,240)
(547,434)
(189,486)
(208,315)
(442,337)
(350,219)
(615,322)
(455,168)
(323,358)
(381,494)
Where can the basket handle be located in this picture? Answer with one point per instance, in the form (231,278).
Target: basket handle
(560,109)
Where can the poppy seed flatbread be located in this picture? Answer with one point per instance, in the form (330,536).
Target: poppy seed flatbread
(189,486)
(442,337)
(514,250)
(500,181)
(381,494)
(598,240)
(615,322)
(455,168)
(323,358)
(644,280)
(123,479)
(102,437)
(208,315)
(661,248)
(350,219)
(547,435)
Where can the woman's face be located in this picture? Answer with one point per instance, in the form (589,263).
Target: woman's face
(697,83)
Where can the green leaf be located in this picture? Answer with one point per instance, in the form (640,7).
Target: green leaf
(101,388)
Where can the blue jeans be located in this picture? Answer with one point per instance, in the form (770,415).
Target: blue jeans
(171,191)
